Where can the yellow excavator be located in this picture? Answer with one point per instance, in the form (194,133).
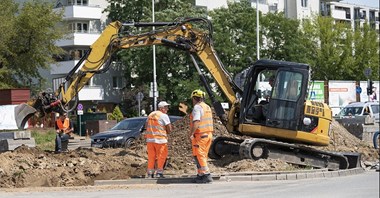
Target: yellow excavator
(280,126)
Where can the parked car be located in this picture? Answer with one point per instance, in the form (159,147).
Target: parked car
(359,109)
(124,133)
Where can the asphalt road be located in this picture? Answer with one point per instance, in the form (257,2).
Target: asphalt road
(364,185)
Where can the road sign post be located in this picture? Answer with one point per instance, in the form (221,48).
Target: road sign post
(80,113)
(139,98)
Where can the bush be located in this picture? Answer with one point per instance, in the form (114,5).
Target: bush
(116,114)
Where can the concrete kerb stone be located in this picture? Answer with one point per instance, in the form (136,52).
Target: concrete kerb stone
(226,177)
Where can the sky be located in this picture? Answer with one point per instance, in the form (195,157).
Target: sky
(371,3)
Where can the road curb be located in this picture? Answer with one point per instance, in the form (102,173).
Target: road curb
(245,176)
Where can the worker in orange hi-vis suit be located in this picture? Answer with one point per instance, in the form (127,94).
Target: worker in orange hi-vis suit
(157,127)
(64,128)
(201,128)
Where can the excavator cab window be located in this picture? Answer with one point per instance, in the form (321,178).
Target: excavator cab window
(287,86)
(287,99)
(259,89)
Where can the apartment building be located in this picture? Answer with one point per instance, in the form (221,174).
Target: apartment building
(85,22)
(297,9)
(355,15)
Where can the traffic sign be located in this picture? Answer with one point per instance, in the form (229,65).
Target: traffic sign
(80,106)
(139,96)
(80,112)
(367,72)
(358,90)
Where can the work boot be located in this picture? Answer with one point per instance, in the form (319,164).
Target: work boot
(160,175)
(194,180)
(204,179)
(208,178)
(149,176)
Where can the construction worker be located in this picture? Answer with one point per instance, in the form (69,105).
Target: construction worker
(63,128)
(201,128)
(157,127)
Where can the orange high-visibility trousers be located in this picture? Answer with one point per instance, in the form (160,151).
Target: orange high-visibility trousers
(200,146)
(157,152)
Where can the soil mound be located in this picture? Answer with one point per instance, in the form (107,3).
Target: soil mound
(32,167)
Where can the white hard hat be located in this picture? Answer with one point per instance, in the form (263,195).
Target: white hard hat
(163,104)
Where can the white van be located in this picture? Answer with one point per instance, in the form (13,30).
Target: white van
(359,109)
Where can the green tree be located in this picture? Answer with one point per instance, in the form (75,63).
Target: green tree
(175,77)
(365,43)
(337,52)
(325,37)
(235,34)
(27,41)
(283,38)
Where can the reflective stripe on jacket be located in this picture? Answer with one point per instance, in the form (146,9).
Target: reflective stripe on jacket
(206,122)
(64,125)
(154,131)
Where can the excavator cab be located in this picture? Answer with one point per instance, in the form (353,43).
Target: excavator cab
(283,107)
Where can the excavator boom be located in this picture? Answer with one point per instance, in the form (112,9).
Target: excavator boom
(180,35)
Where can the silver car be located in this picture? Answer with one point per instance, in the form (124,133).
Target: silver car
(360,109)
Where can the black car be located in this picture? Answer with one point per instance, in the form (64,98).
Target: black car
(123,133)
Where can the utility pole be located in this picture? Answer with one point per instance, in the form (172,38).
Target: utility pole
(257,31)
(154,66)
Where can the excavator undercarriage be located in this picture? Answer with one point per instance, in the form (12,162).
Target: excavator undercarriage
(258,148)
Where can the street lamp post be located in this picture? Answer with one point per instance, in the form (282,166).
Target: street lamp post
(154,67)
(257,31)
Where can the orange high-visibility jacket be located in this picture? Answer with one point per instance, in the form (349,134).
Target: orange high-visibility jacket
(206,122)
(64,125)
(154,131)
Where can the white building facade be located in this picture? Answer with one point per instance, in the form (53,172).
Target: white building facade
(356,15)
(85,22)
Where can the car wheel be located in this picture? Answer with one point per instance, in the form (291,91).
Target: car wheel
(129,142)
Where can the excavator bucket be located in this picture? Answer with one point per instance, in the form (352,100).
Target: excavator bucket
(22,113)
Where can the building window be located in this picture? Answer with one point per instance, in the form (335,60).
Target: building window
(117,82)
(304,3)
(77,2)
(78,27)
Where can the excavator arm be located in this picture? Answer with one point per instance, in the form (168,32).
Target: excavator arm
(180,35)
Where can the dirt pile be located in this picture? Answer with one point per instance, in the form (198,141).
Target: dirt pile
(30,167)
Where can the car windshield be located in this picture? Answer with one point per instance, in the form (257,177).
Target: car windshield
(347,111)
(129,124)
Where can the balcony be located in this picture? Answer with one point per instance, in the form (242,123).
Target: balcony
(340,14)
(91,93)
(80,12)
(83,39)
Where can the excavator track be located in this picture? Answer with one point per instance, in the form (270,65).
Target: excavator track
(257,148)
